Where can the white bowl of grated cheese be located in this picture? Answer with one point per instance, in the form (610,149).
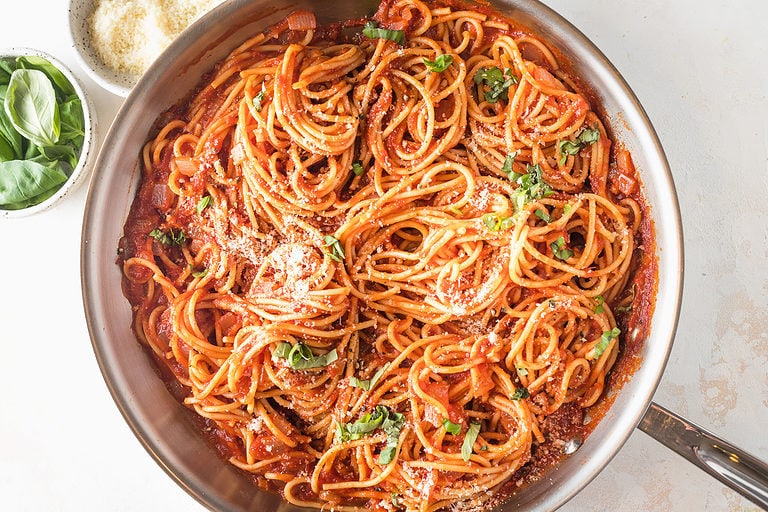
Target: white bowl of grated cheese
(117,40)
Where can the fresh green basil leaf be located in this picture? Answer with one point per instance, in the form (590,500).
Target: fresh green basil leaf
(7,67)
(372,31)
(357,168)
(7,131)
(451,427)
(605,341)
(6,150)
(30,103)
(25,182)
(30,202)
(72,122)
(440,64)
(65,89)
(467,447)
(58,152)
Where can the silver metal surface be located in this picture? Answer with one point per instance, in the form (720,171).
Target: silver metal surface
(164,426)
(738,470)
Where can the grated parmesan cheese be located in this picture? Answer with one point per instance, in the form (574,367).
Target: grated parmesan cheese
(128,35)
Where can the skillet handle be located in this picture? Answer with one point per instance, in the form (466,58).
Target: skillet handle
(735,468)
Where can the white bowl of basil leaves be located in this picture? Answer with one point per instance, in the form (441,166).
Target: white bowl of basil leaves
(46,130)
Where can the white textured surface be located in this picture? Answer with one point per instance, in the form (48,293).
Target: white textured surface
(701,71)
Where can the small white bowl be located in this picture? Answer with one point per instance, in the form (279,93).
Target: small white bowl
(80,31)
(81,171)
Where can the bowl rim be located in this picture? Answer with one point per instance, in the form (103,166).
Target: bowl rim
(85,161)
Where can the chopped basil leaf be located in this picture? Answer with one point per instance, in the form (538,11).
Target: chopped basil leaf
(491,221)
(392,426)
(301,357)
(259,98)
(366,424)
(589,136)
(543,215)
(199,273)
(605,341)
(600,301)
(390,423)
(531,187)
(559,250)
(357,168)
(522,371)
(372,31)
(368,384)
(337,251)
(451,427)
(566,209)
(507,167)
(569,147)
(202,204)
(281,351)
(440,63)
(173,237)
(395,499)
(506,223)
(496,223)
(496,82)
(520,394)
(469,440)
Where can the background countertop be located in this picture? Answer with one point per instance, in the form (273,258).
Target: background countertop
(701,71)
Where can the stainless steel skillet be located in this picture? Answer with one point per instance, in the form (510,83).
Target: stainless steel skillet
(162,425)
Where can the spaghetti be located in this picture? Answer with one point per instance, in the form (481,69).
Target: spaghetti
(390,270)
